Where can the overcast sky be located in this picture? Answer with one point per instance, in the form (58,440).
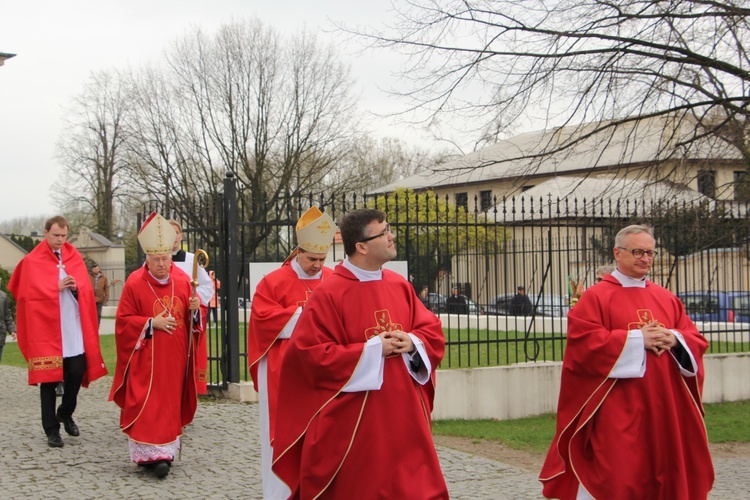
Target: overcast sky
(59,43)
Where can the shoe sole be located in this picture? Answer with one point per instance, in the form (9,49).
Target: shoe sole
(161,469)
(56,445)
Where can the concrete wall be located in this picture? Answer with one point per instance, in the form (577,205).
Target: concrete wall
(523,390)
(528,389)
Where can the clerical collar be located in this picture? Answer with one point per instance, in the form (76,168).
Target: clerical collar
(627,281)
(362,274)
(165,281)
(302,274)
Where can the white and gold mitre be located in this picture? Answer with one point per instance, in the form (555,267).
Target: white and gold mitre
(315,231)
(156,235)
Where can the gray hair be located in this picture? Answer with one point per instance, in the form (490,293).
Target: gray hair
(606,269)
(633,229)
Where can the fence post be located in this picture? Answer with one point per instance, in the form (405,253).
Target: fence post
(232,339)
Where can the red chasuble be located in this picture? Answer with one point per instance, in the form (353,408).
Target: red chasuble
(34,285)
(155,383)
(630,437)
(276,298)
(369,444)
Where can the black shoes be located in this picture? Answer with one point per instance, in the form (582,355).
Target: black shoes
(70,427)
(54,440)
(161,468)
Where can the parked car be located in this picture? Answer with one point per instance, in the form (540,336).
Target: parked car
(548,305)
(474,308)
(717,306)
(438,303)
(740,304)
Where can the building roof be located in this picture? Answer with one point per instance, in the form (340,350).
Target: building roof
(89,240)
(4,56)
(525,155)
(577,196)
(19,247)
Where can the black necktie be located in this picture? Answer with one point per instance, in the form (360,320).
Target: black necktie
(59,257)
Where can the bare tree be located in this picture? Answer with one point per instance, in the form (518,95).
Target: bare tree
(89,149)
(374,163)
(493,66)
(278,113)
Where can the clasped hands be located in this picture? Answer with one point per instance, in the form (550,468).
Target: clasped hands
(165,321)
(396,342)
(657,338)
(67,282)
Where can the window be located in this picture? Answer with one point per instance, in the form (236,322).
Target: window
(741,186)
(485,199)
(707,182)
(462,200)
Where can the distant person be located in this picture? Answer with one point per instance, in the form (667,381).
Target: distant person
(424,296)
(156,332)
(456,303)
(100,284)
(357,380)
(183,260)
(214,302)
(279,299)
(520,304)
(7,325)
(58,332)
(602,271)
(630,415)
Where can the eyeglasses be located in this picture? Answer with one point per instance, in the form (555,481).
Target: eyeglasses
(598,279)
(386,231)
(638,253)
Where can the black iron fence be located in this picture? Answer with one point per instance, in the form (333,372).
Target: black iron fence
(551,247)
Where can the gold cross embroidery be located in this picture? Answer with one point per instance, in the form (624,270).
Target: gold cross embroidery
(645,316)
(383,323)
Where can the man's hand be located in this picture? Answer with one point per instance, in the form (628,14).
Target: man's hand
(657,338)
(165,322)
(67,282)
(396,342)
(195,303)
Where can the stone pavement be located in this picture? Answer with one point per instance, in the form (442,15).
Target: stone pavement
(220,457)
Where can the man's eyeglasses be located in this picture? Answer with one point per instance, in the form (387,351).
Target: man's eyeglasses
(386,231)
(638,253)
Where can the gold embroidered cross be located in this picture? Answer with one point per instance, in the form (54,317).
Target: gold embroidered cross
(383,323)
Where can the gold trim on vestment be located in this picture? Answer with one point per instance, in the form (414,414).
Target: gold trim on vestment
(45,363)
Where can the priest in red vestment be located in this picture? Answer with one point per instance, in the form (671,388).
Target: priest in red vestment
(57,325)
(276,307)
(156,332)
(357,381)
(630,415)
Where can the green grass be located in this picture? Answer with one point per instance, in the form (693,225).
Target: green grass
(467,348)
(475,348)
(530,434)
(725,422)
(12,355)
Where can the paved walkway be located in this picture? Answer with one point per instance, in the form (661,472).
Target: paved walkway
(220,458)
